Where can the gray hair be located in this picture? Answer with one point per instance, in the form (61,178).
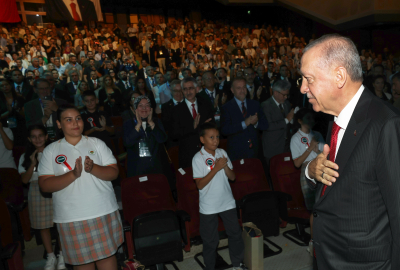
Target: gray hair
(189,79)
(339,51)
(281,85)
(72,72)
(35,59)
(174,83)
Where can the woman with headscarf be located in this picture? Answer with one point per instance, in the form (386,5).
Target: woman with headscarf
(144,138)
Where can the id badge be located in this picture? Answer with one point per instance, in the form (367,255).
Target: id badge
(144,150)
(12,122)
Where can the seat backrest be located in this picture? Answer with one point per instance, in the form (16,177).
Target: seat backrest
(173,153)
(286,178)
(250,177)
(11,189)
(140,196)
(118,124)
(5,224)
(188,199)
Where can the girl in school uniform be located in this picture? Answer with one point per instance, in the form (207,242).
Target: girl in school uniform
(78,170)
(40,205)
(305,145)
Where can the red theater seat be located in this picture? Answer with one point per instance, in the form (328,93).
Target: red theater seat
(286,178)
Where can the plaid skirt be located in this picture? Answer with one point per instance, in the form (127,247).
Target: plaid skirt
(308,193)
(91,240)
(40,208)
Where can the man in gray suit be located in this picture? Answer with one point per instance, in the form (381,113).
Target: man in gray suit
(279,115)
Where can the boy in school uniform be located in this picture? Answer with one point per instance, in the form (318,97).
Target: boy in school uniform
(96,123)
(211,171)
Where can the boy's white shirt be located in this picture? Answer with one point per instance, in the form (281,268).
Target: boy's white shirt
(216,196)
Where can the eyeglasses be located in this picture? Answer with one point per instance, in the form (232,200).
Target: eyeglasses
(286,96)
(299,81)
(189,88)
(144,106)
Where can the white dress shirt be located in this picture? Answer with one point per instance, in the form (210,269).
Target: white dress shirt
(283,105)
(342,120)
(189,104)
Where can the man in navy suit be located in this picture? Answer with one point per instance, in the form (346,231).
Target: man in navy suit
(240,119)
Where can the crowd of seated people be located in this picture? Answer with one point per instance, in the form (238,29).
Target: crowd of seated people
(245,80)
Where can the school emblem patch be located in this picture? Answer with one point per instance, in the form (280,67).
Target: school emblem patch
(210,162)
(91,152)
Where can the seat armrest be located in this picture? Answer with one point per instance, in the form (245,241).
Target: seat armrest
(8,251)
(183,215)
(17,207)
(126,226)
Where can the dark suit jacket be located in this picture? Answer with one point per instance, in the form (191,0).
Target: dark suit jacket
(167,119)
(141,73)
(207,98)
(275,138)
(34,113)
(91,84)
(58,11)
(238,138)
(356,222)
(184,131)
(26,91)
(70,90)
(264,94)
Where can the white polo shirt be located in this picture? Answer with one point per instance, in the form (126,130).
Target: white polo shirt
(21,169)
(88,196)
(6,156)
(216,196)
(300,142)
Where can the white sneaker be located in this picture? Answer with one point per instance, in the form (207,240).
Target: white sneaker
(50,263)
(60,263)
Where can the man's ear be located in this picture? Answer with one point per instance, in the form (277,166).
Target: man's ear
(341,77)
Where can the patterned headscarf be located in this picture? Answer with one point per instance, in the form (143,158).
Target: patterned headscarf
(138,99)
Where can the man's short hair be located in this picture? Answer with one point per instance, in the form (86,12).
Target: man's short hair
(149,67)
(281,85)
(379,65)
(237,79)
(47,73)
(40,80)
(72,72)
(14,70)
(396,76)
(188,79)
(173,83)
(282,66)
(221,68)
(338,50)
(187,69)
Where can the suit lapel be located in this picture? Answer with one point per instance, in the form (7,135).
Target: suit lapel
(354,131)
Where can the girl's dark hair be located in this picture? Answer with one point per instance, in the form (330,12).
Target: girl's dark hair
(14,94)
(30,148)
(63,108)
(299,115)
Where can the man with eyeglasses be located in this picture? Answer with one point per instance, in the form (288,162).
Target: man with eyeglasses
(277,110)
(295,97)
(43,110)
(187,117)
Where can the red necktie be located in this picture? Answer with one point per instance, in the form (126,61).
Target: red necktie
(332,152)
(244,111)
(194,112)
(74,13)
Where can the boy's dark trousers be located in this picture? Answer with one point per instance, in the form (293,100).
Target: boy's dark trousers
(210,237)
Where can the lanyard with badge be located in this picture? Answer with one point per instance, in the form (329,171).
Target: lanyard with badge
(144,150)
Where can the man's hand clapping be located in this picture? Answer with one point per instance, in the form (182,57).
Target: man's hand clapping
(251,120)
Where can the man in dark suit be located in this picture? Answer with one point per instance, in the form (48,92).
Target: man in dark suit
(72,86)
(356,213)
(142,70)
(240,119)
(123,84)
(224,86)
(187,117)
(79,10)
(43,110)
(93,81)
(255,90)
(21,86)
(168,110)
(276,139)
(263,80)
(296,99)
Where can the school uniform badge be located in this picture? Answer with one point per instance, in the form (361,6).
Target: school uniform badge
(210,162)
(91,152)
(62,159)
